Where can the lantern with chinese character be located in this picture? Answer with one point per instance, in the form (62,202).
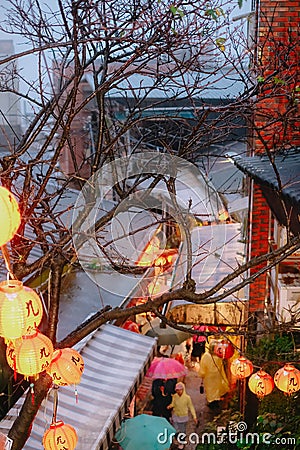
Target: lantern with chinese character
(241,367)
(59,436)
(287,379)
(20,309)
(11,358)
(9,216)
(261,383)
(131,326)
(33,353)
(66,367)
(223,348)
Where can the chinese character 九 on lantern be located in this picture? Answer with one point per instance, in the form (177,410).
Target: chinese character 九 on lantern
(287,379)
(241,367)
(9,216)
(223,348)
(60,435)
(20,309)
(66,367)
(33,354)
(261,383)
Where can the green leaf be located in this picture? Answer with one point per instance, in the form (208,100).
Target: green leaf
(220,43)
(175,11)
(240,3)
(260,79)
(278,81)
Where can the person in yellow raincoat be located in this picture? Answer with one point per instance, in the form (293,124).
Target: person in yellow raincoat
(181,405)
(214,377)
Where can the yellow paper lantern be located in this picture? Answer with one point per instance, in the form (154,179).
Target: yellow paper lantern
(66,367)
(33,354)
(261,383)
(20,309)
(9,216)
(287,379)
(241,367)
(11,357)
(60,436)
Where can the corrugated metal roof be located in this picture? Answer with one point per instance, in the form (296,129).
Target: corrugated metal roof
(116,361)
(263,171)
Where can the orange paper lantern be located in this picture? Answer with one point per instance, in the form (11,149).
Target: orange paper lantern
(33,353)
(60,436)
(66,367)
(241,367)
(9,216)
(287,379)
(261,383)
(20,309)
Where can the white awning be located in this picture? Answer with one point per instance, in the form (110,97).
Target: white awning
(116,361)
(217,250)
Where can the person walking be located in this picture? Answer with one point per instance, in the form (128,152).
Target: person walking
(214,378)
(181,405)
(162,391)
(199,342)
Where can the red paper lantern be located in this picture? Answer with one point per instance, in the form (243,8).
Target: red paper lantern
(241,367)
(131,326)
(66,367)
(33,353)
(287,379)
(20,309)
(60,436)
(223,348)
(9,216)
(261,383)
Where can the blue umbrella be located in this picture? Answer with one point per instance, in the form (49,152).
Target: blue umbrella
(145,432)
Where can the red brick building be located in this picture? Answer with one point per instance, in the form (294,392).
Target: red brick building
(276,129)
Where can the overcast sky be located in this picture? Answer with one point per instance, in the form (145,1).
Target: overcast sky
(28,65)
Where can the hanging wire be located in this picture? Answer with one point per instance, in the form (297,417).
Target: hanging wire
(6,258)
(55,403)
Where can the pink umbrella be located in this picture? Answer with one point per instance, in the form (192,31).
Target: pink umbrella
(166,368)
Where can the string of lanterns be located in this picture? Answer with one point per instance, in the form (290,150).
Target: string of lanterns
(29,352)
(286,379)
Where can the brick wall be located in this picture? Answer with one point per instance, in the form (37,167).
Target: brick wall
(277,114)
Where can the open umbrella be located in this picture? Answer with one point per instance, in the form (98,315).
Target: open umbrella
(166,335)
(145,432)
(166,368)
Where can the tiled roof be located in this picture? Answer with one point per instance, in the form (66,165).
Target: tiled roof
(287,179)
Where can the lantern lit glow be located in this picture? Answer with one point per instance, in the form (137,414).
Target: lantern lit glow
(131,326)
(9,216)
(223,348)
(287,379)
(33,353)
(20,309)
(241,367)
(60,436)
(261,383)
(66,367)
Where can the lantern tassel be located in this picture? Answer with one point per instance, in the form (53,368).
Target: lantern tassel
(76,393)
(32,392)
